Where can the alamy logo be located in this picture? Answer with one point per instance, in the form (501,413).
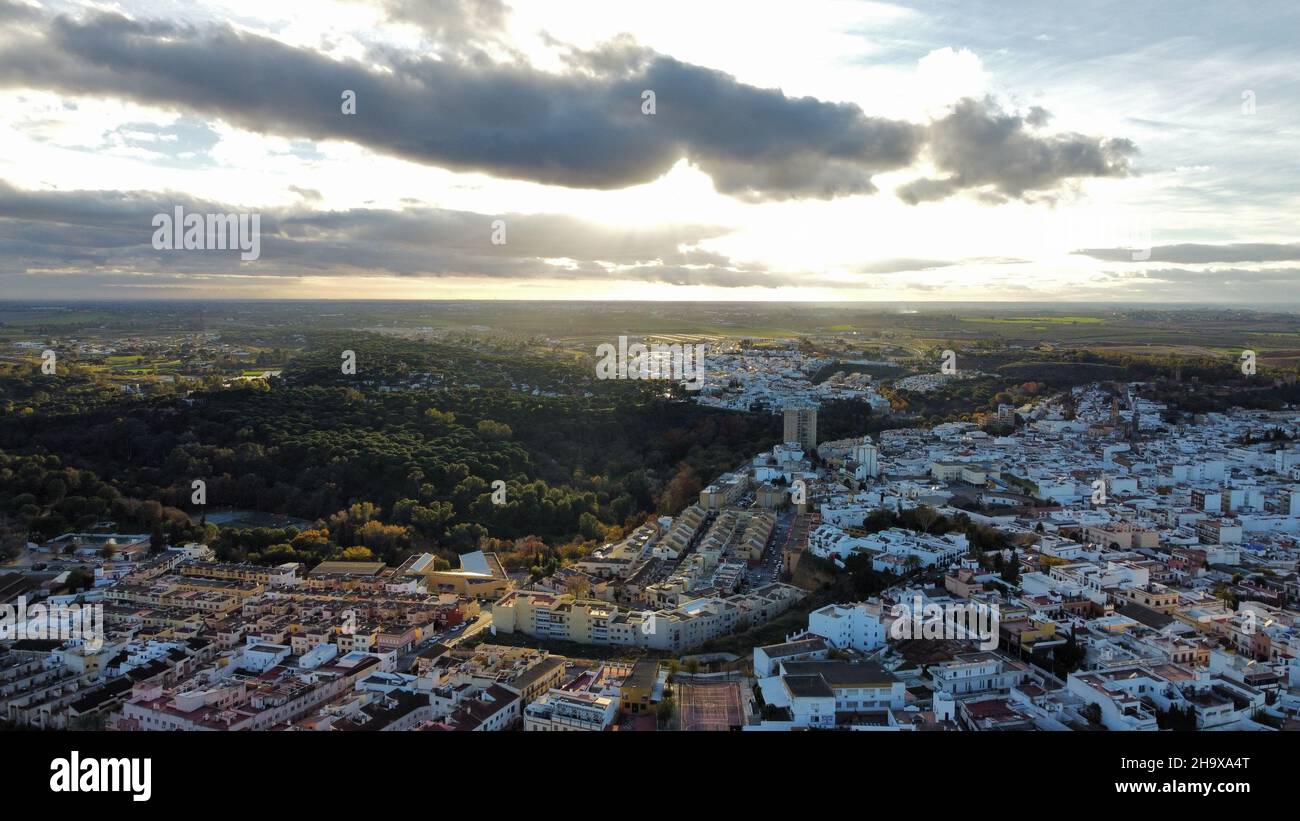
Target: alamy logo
(971,621)
(658,361)
(799,492)
(209,232)
(65,622)
(77,774)
(1099,491)
(1250,622)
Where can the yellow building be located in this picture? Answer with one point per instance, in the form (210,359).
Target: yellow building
(480,575)
(1022,634)
(637,691)
(562,617)
(1155,596)
(726,490)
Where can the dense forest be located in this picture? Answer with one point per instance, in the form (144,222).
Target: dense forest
(398,457)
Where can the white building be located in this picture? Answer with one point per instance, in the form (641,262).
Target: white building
(849,627)
(857,687)
(977,673)
(849,511)
(564,711)
(768,658)
(867,458)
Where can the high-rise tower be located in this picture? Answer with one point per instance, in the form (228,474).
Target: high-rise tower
(801,427)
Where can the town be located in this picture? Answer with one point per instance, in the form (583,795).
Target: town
(1140,568)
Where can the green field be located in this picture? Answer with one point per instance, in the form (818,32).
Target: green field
(1028,320)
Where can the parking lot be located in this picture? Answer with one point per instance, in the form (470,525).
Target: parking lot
(772,563)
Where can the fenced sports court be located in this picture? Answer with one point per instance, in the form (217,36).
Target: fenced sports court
(710,706)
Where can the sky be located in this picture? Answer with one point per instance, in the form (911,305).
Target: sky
(826,150)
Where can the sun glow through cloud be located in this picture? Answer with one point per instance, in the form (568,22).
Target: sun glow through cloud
(847,151)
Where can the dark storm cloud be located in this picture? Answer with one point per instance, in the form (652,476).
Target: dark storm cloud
(507,119)
(1194,253)
(760,144)
(101,209)
(112,231)
(584,128)
(1003,156)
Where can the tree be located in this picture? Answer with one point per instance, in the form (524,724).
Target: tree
(771,712)
(1092,712)
(440,417)
(665,710)
(1011,571)
(343,524)
(1176,718)
(489,429)
(683,490)
(925,516)
(316,542)
(589,526)
(1223,594)
(1067,656)
(11,541)
(279,553)
(578,586)
(80,578)
(150,513)
(93,722)
(381,538)
(357,554)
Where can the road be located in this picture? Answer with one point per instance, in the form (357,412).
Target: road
(452,637)
(772,562)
